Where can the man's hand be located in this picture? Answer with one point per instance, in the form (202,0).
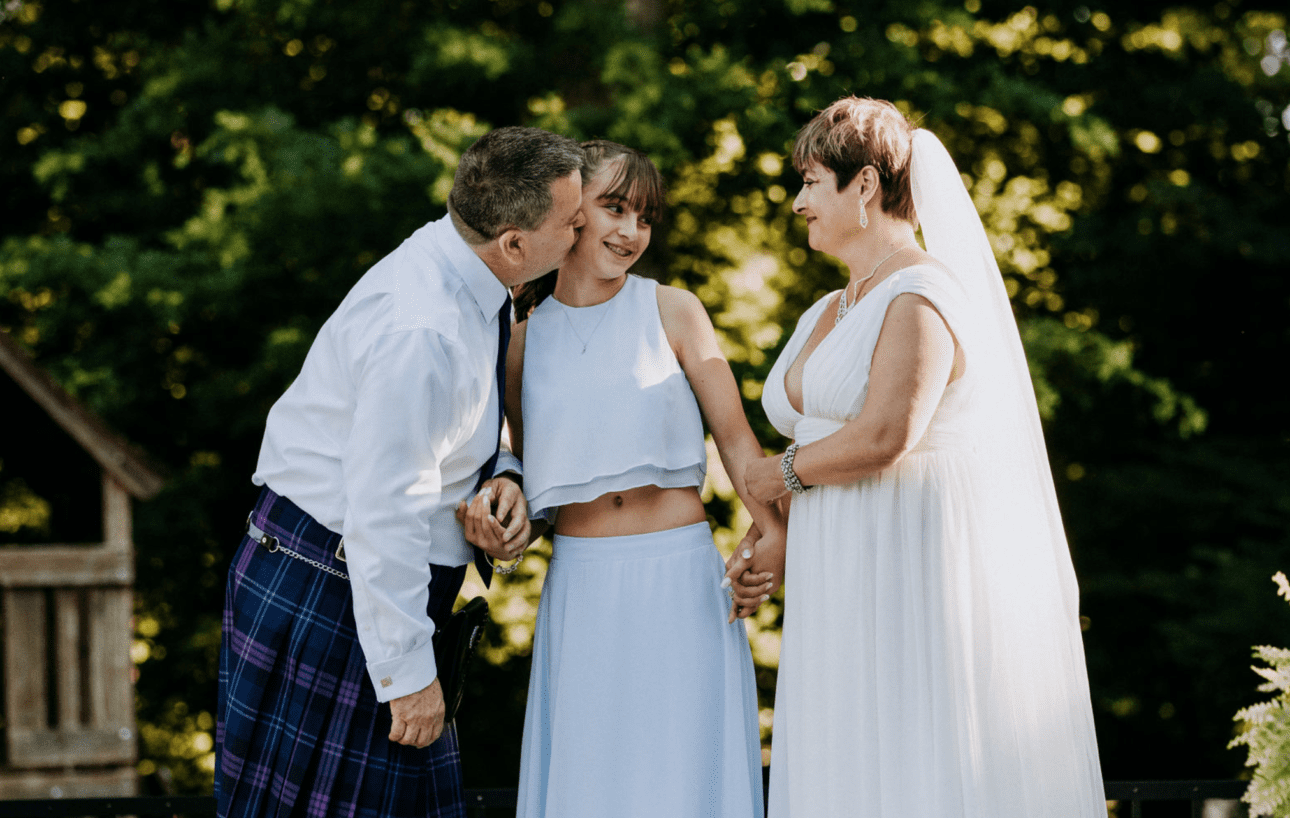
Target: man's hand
(755,571)
(497,519)
(417,719)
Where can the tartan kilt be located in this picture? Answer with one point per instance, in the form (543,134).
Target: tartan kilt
(299,731)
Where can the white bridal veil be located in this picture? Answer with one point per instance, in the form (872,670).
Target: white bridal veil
(1031,643)
(1015,449)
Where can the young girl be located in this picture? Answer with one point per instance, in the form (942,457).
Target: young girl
(641,700)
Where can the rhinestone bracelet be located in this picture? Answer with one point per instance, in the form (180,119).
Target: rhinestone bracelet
(791,482)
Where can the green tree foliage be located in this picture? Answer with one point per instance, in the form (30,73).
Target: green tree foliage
(188,195)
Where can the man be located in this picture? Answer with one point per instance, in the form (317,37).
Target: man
(354,549)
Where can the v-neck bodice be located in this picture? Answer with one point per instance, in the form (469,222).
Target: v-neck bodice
(835,377)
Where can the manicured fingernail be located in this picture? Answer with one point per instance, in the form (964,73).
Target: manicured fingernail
(725,583)
(765,597)
(747,553)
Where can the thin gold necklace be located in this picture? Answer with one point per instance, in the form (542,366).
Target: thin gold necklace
(567,309)
(577,334)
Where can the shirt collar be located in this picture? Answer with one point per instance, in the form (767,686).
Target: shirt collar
(489,293)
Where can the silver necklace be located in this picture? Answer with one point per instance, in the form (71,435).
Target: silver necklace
(843,306)
(577,334)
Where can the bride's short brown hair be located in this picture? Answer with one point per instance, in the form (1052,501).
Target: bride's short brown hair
(858,131)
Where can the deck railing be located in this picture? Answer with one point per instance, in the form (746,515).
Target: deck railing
(496,803)
(1195,792)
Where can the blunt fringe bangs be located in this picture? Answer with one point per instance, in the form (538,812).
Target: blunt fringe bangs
(637,182)
(858,131)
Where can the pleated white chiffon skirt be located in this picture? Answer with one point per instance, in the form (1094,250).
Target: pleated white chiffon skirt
(641,698)
(922,675)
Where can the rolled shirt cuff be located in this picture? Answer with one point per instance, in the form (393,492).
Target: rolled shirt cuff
(407,674)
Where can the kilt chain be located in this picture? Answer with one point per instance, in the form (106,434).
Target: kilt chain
(272,545)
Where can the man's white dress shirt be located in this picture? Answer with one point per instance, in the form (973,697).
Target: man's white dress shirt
(385,430)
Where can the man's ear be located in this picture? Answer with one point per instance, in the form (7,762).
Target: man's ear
(513,246)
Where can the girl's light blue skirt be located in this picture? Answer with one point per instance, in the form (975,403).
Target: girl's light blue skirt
(641,699)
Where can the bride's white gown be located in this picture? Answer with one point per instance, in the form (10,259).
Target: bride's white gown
(931,662)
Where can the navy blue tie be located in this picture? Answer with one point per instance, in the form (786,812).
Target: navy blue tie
(482,562)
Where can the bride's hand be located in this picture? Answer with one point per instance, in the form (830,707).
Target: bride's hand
(768,560)
(764,479)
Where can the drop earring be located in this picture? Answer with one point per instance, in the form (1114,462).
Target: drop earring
(864,217)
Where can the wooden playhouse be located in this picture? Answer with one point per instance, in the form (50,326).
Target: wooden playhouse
(67,726)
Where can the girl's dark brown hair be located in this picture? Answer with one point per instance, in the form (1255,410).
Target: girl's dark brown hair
(636,183)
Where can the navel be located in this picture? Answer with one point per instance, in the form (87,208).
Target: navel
(618,500)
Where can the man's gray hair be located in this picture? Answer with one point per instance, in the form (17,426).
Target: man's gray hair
(504,181)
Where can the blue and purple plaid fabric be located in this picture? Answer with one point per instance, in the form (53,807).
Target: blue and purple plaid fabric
(300,732)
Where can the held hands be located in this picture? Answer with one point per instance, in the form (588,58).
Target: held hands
(417,719)
(755,577)
(497,519)
(764,479)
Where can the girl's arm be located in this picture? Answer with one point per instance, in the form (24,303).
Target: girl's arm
(478,518)
(515,387)
(515,405)
(694,341)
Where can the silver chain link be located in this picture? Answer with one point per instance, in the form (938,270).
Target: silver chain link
(277,546)
(314,563)
(272,544)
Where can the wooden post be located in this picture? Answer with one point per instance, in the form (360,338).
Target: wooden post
(67,664)
(111,696)
(117,526)
(25,663)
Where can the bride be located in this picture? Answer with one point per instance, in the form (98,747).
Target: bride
(931,662)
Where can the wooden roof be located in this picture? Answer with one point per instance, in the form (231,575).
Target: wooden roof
(112,452)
